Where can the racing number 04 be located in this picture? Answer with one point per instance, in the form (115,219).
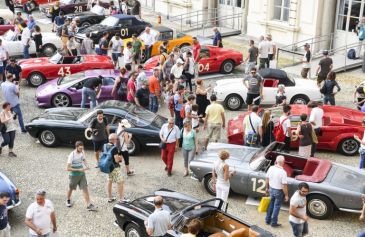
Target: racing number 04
(258,185)
(64,71)
(203,67)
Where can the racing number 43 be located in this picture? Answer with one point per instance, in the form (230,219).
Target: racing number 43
(258,185)
(64,71)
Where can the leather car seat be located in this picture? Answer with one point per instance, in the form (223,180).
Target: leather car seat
(242,232)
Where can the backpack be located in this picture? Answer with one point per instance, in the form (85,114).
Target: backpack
(323,89)
(351,54)
(279,131)
(106,164)
(122,91)
(182,112)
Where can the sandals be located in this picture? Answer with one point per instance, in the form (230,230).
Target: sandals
(112,200)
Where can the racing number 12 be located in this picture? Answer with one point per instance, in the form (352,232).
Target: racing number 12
(64,71)
(261,184)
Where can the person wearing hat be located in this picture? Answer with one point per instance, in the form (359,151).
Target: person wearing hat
(306,66)
(280,95)
(178,68)
(142,96)
(40,215)
(125,139)
(324,67)
(362,147)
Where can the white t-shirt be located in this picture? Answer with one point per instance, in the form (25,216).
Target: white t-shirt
(148,39)
(76,158)
(41,216)
(272,46)
(127,55)
(264,47)
(286,125)
(174,135)
(25,35)
(299,202)
(277,177)
(116,45)
(195,121)
(177,71)
(316,116)
(256,123)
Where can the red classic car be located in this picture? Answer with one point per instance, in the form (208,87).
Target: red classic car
(212,59)
(38,70)
(20,3)
(337,133)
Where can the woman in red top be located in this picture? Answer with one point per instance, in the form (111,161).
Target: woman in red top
(131,87)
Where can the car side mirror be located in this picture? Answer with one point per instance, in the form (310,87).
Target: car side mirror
(72,89)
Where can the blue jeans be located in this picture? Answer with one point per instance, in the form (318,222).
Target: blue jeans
(299,230)
(361,234)
(26,51)
(87,92)
(148,51)
(16,109)
(153,103)
(276,199)
(362,161)
(9,138)
(329,99)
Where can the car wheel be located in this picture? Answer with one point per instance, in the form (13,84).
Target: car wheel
(143,56)
(227,67)
(208,184)
(86,24)
(49,50)
(133,147)
(319,207)
(133,230)
(300,99)
(61,100)
(349,146)
(47,138)
(33,5)
(234,102)
(36,79)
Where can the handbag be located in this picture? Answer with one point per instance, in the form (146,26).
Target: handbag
(314,136)
(252,138)
(264,204)
(3,128)
(162,144)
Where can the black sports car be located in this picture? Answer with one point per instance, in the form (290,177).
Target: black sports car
(131,216)
(126,25)
(67,125)
(89,18)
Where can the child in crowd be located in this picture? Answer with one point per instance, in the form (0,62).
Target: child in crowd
(280,96)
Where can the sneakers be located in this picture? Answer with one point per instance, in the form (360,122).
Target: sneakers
(112,200)
(130,173)
(12,154)
(169,174)
(68,203)
(91,207)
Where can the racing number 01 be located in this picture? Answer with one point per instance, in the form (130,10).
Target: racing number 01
(258,185)
(64,71)
(124,32)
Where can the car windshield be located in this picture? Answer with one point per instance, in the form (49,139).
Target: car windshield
(66,2)
(55,58)
(110,21)
(98,10)
(142,117)
(344,176)
(70,78)
(172,205)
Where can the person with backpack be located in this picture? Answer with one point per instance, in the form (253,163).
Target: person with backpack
(328,89)
(125,139)
(91,89)
(76,166)
(100,130)
(252,127)
(282,131)
(179,105)
(119,90)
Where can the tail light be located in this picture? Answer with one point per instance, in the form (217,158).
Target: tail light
(17,191)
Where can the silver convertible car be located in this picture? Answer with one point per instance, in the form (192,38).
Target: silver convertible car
(333,186)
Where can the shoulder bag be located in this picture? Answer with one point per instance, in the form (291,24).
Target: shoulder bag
(252,138)
(163,144)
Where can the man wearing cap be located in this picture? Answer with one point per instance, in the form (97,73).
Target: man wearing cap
(40,215)
(155,90)
(306,61)
(159,222)
(324,67)
(217,41)
(178,68)
(148,40)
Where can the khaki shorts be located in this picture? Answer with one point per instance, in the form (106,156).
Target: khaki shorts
(78,181)
(116,175)
(64,40)
(214,131)
(5,232)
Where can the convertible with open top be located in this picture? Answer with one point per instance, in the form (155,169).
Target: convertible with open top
(333,186)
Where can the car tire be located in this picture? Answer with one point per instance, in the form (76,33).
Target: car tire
(208,184)
(143,56)
(133,230)
(86,24)
(36,79)
(134,147)
(33,5)
(61,100)
(299,99)
(348,146)
(49,50)
(319,207)
(47,138)
(227,67)
(233,102)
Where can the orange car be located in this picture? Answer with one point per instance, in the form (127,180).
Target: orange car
(162,34)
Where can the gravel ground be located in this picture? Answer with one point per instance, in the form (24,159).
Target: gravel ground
(39,167)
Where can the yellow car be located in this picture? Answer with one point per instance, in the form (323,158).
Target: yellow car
(162,33)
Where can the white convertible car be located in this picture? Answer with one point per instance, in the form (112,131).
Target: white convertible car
(12,43)
(232,93)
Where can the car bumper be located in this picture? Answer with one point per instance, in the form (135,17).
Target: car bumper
(14,205)
(43,101)
(350,210)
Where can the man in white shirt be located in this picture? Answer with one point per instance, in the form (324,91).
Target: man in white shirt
(117,46)
(26,40)
(264,47)
(285,121)
(316,119)
(148,40)
(141,77)
(4,55)
(277,186)
(252,126)
(272,49)
(40,214)
(128,54)
(298,218)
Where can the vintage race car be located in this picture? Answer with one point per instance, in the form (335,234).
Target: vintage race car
(34,3)
(38,70)
(232,93)
(126,25)
(131,216)
(12,43)
(66,91)
(212,59)
(332,186)
(92,17)
(337,133)
(6,185)
(65,126)
(71,6)
(5,22)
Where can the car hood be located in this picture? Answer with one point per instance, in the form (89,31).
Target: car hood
(232,81)
(33,61)
(93,28)
(63,114)
(6,185)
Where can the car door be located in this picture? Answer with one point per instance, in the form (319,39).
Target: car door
(125,28)
(270,91)
(256,184)
(207,64)
(78,6)
(75,92)
(106,89)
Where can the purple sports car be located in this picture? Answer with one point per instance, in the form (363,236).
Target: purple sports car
(66,91)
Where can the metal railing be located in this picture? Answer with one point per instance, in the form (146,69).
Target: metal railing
(195,16)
